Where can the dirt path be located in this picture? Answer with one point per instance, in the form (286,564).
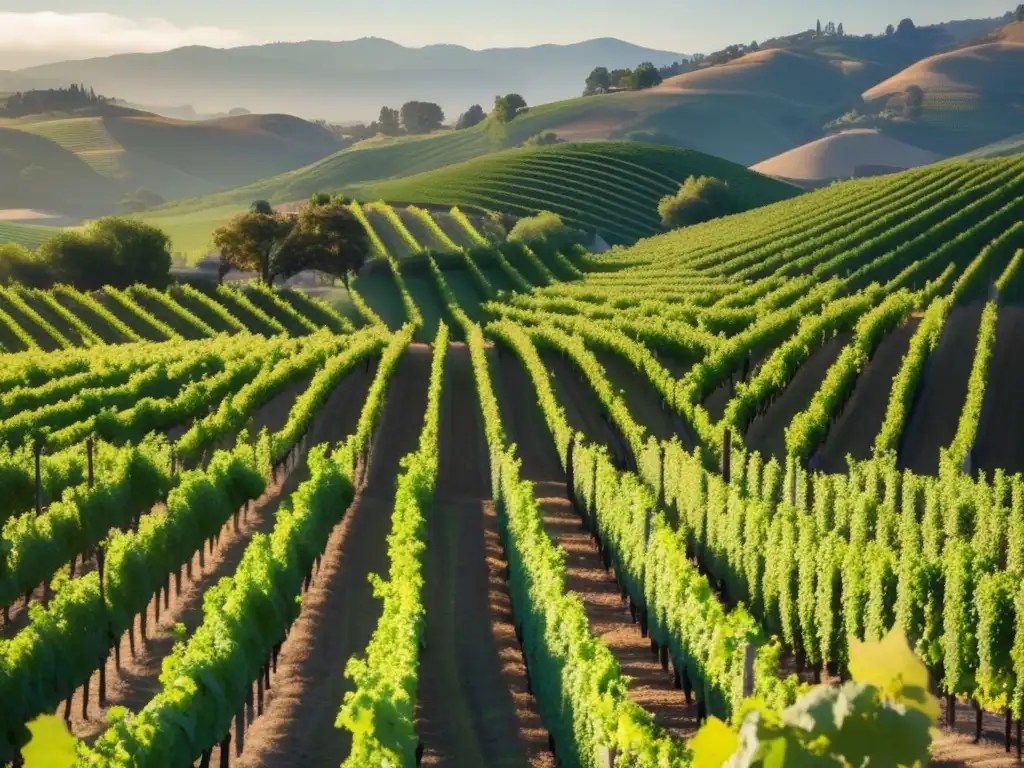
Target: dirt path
(474,706)
(138,679)
(956,747)
(644,401)
(855,431)
(339,612)
(767,434)
(1002,418)
(650,686)
(943,390)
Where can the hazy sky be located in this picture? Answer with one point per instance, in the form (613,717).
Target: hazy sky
(79,28)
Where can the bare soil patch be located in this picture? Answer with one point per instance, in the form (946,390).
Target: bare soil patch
(941,392)
(137,680)
(474,705)
(340,612)
(643,400)
(1002,421)
(855,431)
(767,433)
(650,686)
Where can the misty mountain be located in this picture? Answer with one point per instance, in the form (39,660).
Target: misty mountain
(340,80)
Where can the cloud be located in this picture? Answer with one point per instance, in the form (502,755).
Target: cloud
(47,35)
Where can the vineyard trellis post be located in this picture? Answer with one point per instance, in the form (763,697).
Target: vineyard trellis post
(726,453)
(37,450)
(89,460)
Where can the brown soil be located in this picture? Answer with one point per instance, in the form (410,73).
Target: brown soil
(340,612)
(1002,420)
(956,747)
(474,707)
(138,679)
(942,392)
(767,434)
(643,400)
(855,431)
(609,617)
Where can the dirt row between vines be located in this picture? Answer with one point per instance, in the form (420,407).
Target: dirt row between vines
(474,706)
(340,612)
(137,681)
(273,415)
(649,685)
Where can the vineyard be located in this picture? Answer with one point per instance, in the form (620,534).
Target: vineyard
(526,505)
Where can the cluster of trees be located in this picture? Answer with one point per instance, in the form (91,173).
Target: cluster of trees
(414,117)
(543,139)
(472,116)
(904,28)
(508,107)
(1018,15)
(830,30)
(51,100)
(324,236)
(698,199)
(601,80)
(111,251)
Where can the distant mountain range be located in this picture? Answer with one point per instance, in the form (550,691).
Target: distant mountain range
(340,80)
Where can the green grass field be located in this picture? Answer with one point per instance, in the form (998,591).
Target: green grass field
(611,187)
(29,235)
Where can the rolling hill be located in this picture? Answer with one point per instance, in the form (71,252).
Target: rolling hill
(613,187)
(848,154)
(178,158)
(295,77)
(973,95)
(38,173)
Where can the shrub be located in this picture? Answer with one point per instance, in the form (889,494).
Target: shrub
(543,139)
(698,199)
(544,226)
(19,265)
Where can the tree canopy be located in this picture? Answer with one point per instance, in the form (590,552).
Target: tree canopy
(698,199)
(472,116)
(421,116)
(507,107)
(388,122)
(646,76)
(598,81)
(325,236)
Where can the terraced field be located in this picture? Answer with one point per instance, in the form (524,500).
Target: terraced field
(581,556)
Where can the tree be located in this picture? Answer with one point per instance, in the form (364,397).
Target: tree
(507,107)
(622,78)
(914,100)
(19,265)
(72,257)
(698,199)
(818,31)
(754,46)
(139,252)
(1019,13)
(598,81)
(830,29)
(388,122)
(890,30)
(250,240)
(545,226)
(327,238)
(262,206)
(905,27)
(647,76)
(839,30)
(472,116)
(421,116)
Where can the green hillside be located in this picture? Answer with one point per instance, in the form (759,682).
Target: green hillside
(37,173)
(611,187)
(1011,146)
(176,158)
(29,235)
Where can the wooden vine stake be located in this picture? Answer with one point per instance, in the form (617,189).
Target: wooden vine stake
(726,454)
(37,449)
(606,757)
